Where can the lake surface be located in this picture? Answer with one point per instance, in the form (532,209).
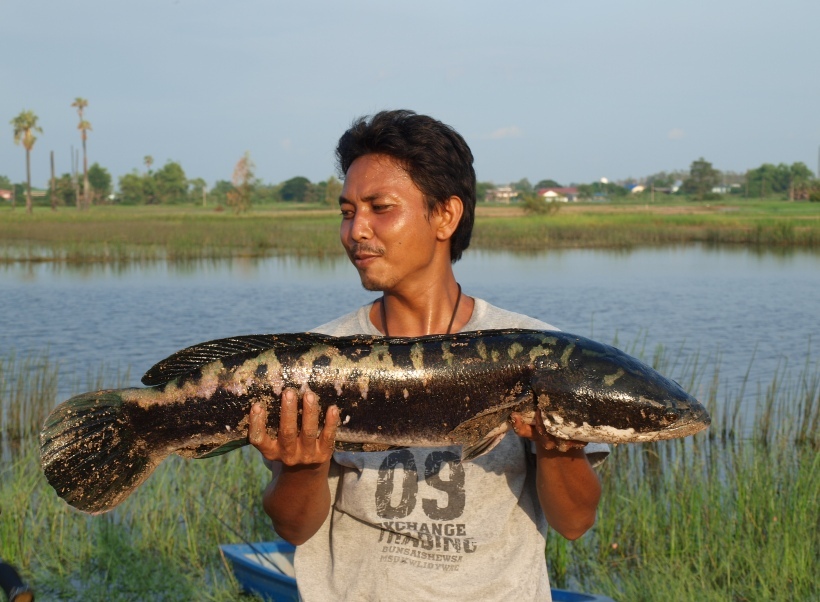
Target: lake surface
(755,312)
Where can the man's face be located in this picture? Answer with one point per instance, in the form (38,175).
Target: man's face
(386,229)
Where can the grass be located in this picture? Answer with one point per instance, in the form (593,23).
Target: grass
(115,234)
(730,514)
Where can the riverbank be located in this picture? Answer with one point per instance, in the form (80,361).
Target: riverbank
(121,233)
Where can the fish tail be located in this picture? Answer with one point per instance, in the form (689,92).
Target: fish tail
(90,455)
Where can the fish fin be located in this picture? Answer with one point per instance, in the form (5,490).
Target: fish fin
(89,454)
(481,433)
(484,446)
(350,446)
(211,450)
(189,359)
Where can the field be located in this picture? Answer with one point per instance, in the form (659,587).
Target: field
(190,232)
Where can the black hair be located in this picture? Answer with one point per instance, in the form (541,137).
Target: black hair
(435,156)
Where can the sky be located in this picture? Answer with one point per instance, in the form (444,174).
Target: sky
(567,90)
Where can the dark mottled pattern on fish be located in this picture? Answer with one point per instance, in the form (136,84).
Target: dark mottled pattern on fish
(426,391)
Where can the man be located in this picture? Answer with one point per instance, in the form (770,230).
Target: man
(417,523)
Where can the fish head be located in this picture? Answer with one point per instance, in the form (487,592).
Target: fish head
(597,393)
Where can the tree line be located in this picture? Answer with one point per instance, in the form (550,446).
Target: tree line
(165,185)
(170,184)
(702,182)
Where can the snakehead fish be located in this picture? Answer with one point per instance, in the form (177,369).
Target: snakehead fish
(428,391)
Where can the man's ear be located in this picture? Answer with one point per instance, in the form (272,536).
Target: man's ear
(448,216)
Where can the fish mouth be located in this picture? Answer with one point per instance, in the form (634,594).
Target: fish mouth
(694,422)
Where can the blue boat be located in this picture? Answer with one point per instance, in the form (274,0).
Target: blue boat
(266,569)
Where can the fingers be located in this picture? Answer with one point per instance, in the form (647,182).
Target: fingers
(258,432)
(310,417)
(288,415)
(538,433)
(257,427)
(327,438)
(520,427)
(295,446)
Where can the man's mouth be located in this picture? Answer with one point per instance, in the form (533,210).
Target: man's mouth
(361,256)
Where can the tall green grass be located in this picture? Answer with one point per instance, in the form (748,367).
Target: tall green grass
(730,514)
(28,387)
(636,229)
(122,234)
(141,235)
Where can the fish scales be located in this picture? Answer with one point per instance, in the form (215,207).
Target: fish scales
(438,390)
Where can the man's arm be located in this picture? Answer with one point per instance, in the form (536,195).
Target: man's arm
(298,500)
(568,487)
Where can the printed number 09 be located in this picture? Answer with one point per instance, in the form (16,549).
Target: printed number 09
(454,487)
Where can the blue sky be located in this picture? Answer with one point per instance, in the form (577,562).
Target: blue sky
(572,90)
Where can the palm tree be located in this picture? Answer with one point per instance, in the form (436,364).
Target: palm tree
(84,126)
(25,124)
(149,161)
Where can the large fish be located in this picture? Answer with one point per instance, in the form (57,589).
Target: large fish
(439,390)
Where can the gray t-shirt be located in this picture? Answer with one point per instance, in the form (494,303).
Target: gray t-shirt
(418,524)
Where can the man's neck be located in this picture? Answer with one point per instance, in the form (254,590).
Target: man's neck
(428,309)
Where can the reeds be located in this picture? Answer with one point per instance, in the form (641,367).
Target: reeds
(27,390)
(730,514)
(134,235)
(179,233)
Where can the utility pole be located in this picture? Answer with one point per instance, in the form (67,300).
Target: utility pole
(53,187)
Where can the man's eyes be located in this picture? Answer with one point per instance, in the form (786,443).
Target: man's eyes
(376,208)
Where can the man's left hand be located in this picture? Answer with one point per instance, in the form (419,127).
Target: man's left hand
(538,433)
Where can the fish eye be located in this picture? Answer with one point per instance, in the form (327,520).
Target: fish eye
(671,416)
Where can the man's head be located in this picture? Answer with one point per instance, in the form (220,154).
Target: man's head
(434,155)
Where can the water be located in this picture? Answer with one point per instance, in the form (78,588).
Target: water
(751,312)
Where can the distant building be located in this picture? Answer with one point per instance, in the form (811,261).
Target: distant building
(560,195)
(501,194)
(727,189)
(6,194)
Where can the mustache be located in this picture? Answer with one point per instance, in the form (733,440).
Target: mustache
(364,248)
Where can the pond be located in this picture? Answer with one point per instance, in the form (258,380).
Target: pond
(734,308)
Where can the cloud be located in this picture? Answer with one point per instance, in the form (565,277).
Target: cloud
(676,134)
(508,132)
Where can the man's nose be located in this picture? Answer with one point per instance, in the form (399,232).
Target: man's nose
(360,228)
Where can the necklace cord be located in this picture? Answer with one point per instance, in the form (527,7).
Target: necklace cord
(449,326)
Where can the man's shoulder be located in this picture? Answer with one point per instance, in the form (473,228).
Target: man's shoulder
(487,316)
(354,322)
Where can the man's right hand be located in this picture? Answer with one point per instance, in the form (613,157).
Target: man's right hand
(292,446)
(298,498)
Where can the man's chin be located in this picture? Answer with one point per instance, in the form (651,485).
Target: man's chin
(373,284)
